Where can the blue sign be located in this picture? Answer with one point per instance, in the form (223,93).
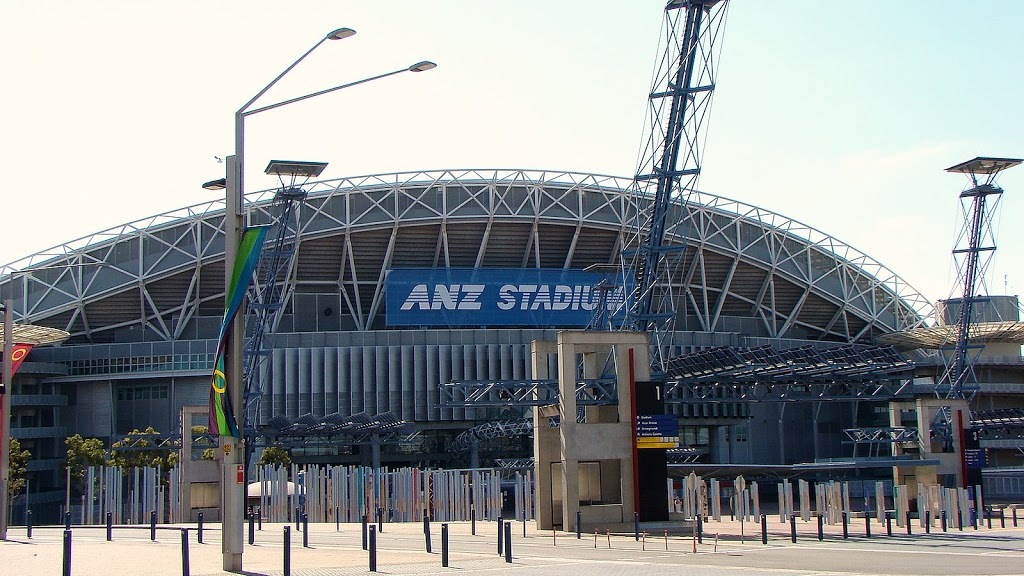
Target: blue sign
(499,297)
(657,431)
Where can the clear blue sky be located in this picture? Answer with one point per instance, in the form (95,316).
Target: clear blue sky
(840,114)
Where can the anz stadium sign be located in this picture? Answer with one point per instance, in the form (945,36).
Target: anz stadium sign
(499,297)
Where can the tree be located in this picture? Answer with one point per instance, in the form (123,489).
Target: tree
(275,456)
(18,465)
(164,458)
(82,453)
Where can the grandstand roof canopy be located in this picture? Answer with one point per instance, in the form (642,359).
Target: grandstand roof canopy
(934,337)
(35,335)
(744,269)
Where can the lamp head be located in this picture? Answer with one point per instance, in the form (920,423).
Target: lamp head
(422,66)
(340,34)
(219,184)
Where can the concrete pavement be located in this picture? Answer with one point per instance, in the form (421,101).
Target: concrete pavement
(401,550)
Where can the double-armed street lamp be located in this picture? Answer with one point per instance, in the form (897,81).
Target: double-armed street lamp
(232,453)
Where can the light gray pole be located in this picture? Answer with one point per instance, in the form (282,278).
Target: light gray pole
(232,449)
(5,417)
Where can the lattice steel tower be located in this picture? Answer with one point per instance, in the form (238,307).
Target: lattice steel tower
(972,255)
(670,161)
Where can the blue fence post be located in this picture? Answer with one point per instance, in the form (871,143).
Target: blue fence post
(287,551)
(444,545)
(501,534)
(373,549)
(508,542)
(67,552)
(184,552)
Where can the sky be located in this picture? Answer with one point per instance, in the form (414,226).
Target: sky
(840,114)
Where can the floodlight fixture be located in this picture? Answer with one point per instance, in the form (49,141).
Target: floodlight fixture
(340,34)
(984,165)
(218,184)
(295,169)
(422,66)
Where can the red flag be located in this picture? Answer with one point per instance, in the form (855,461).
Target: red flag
(18,354)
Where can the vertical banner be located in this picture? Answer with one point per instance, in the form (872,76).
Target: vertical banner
(222,419)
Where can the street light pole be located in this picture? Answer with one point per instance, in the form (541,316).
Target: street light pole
(232,449)
(5,417)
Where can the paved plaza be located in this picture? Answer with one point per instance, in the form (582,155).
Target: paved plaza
(727,549)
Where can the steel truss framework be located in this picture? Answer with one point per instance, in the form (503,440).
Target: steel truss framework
(670,161)
(336,430)
(165,273)
(763,374)
(489,430)
(474,393)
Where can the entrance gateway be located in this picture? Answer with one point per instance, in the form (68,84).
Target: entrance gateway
(585,456)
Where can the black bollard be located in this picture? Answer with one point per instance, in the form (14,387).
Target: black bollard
(259,519)
(28,523)
(960,520)
(152,525)
(426,532)
(927,521)
(764,529)
(636,526)
(67,552)
(501,534)
(184,552)
(1002,517)
(792,529)
(942,518)
(508,542)
(297,518)
(821,528)
(305,530)
(888,523)
(472,520)
(199,529)
(909,533)
(373,548)
(974,519)
(337,519)
(252,530)
(1013,513)
(67,520)
(846,531)
(867,524)
(380,519)
(365,533)
(579,521)
(988,518)
(700,529)
(444,545)
(287,548)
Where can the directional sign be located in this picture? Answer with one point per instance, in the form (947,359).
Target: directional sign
(657,431)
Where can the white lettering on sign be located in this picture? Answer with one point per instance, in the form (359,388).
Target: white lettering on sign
(444,297)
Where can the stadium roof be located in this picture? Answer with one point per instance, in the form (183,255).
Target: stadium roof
(744,270)
(934,337)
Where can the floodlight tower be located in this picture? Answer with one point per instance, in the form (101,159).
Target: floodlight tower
(670,161)
(972,255)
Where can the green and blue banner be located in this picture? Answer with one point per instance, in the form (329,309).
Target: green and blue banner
(222,419)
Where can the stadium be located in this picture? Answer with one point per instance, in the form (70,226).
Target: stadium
(143,303)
